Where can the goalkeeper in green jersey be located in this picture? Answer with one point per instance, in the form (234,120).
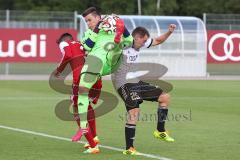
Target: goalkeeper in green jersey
(104,42)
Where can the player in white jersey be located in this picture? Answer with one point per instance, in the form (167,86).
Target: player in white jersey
(134,91)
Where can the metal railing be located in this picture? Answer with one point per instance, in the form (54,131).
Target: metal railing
(34,19)
(222,21)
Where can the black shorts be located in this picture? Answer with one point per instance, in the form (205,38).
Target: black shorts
(133,94)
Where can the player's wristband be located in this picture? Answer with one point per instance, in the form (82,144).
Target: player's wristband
(89,43)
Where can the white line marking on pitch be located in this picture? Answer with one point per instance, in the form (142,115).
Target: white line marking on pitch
(67,139)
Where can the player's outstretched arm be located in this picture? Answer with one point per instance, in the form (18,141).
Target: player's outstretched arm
(163,37)
(66,51)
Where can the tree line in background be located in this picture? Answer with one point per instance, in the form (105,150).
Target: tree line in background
(129,7)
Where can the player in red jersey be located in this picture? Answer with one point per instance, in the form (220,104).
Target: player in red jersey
(73,54)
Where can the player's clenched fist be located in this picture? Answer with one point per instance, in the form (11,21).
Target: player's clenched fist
(171,27)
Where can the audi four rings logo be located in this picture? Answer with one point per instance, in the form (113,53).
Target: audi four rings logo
(228,51)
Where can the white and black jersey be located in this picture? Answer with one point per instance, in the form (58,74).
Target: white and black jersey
(130,56)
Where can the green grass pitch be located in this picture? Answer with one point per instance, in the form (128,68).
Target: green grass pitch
(204,119)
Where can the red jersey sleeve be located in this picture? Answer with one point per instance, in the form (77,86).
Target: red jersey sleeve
(66,52)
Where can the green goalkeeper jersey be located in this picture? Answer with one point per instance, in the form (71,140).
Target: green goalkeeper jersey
(102,46)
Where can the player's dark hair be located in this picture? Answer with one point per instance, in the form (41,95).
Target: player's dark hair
(140,31)
(64,37)
(91,10)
